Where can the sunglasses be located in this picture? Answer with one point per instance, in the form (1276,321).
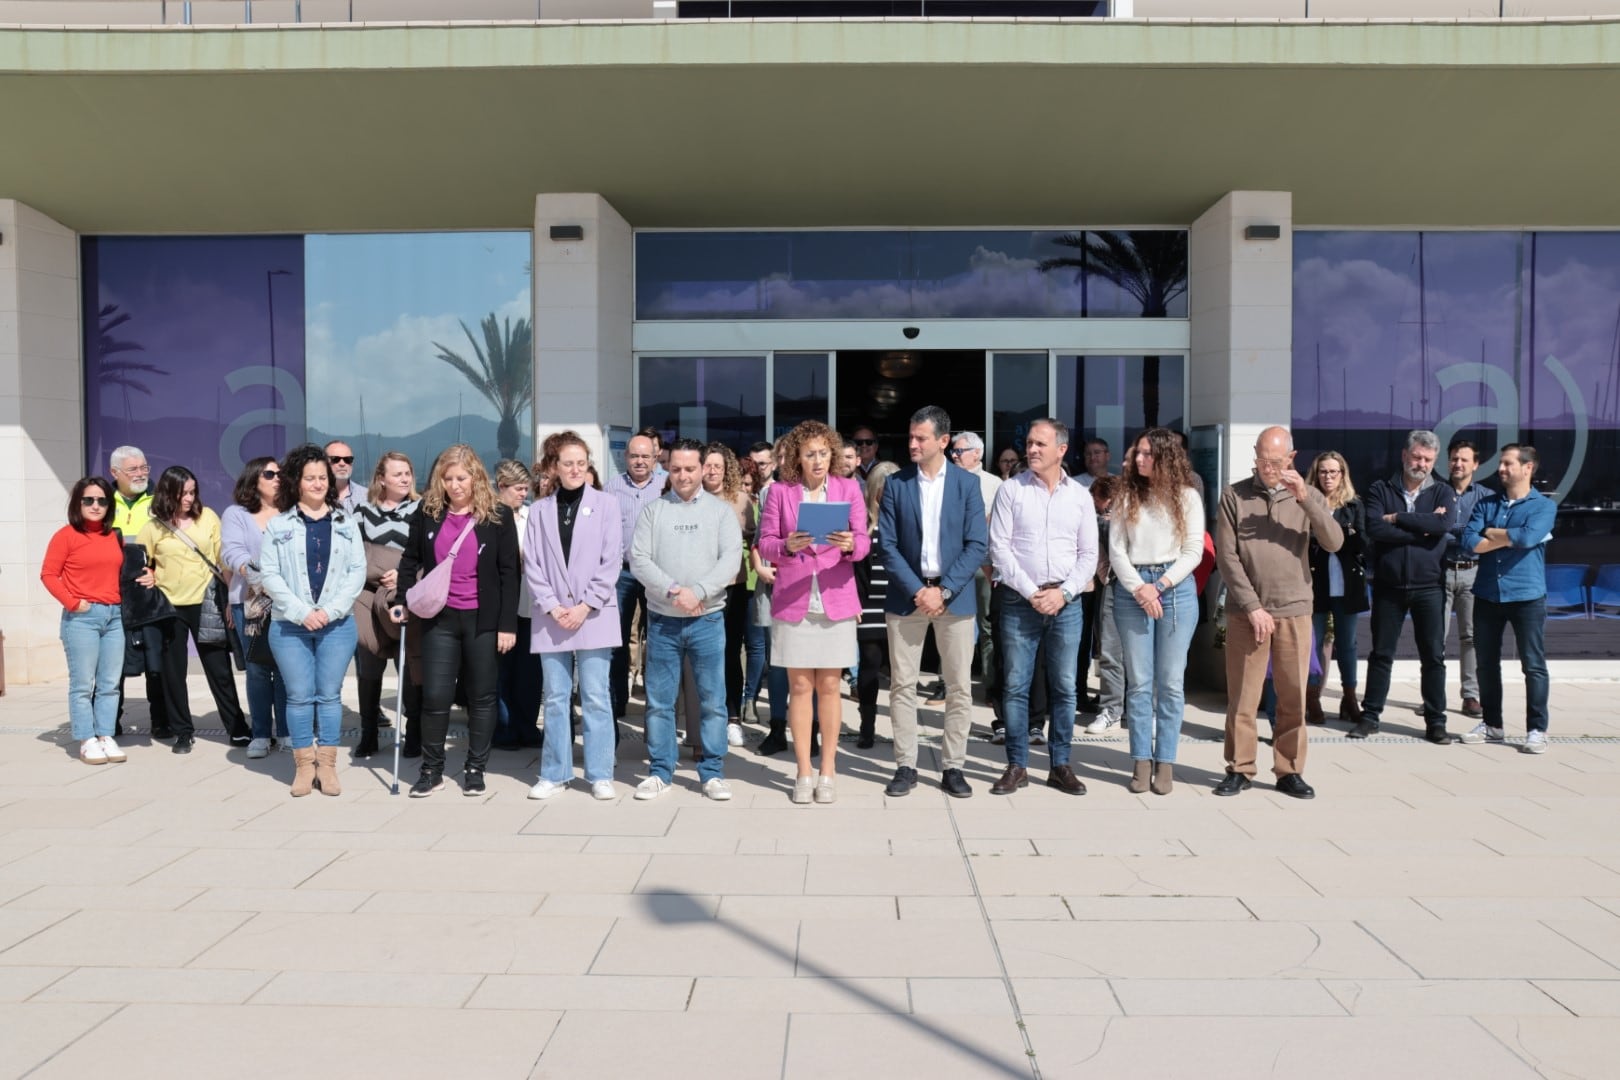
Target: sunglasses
(93,500)
(269,474)
(864,442)
(338,459)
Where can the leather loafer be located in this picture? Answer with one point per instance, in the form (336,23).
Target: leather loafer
(1438,735)
(955,784)
(1062,777)
(1362,730)
(182,745)
(1232,784)
(1472,708)
(1011,780)
(1294,786)
(905,778)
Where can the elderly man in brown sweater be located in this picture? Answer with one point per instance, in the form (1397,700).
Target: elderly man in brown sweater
(1262,546)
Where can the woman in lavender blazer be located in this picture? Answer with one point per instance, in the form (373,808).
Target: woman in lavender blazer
(815,605)
(571,559)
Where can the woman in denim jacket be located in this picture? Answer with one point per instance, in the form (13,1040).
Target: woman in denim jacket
(314,566)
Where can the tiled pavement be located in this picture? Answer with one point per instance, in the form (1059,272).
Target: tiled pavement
(1435,912)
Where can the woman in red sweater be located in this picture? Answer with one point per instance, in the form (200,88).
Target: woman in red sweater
(81,571)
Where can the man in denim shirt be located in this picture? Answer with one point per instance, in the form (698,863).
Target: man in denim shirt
(1509,533)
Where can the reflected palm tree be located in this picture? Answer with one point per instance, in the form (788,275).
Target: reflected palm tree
(1148,264)
(126,374)
(504,375)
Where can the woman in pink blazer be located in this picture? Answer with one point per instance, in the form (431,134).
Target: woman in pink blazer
(571,559)
(815,606)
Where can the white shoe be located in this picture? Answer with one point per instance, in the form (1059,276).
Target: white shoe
(1037,737)
(603,791)
(1483,732)
(998,736)
(650,788)
(1105,722)
(1534,743)
(258,748)
(826,792)
(717,789)
(734,735)
(545,789)
(113,751)
(91,753)
(803,790)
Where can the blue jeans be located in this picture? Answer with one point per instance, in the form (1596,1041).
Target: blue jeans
(557,754)
(313,663)
(266,690)
(631,593)
(756,647)
(94,643)
(1023,631)
(518,701)
(1344,641)
(670,640)
(1529,621)
(1155,664)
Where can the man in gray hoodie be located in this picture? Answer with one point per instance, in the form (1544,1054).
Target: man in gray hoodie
(685,551)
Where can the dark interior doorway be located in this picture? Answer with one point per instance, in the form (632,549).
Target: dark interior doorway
(881,389)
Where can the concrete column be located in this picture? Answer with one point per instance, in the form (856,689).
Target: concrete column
(583,310)
(41,427)
(1242,314)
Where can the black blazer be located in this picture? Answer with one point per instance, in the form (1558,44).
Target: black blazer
(1352,518)
(498,570)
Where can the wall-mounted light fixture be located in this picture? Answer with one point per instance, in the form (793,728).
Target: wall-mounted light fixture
(1262,232)
(564,233)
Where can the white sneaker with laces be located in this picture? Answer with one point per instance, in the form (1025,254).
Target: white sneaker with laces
(1105,722)
(91,753)
(1483,732)
(717,789)
(603,791)
(998,736)
(1037,737)
(545,789)
(258,748)
(113,751)
(650,788)
(734,735)
(1534,743)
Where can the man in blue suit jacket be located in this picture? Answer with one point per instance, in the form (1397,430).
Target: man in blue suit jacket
(932,533)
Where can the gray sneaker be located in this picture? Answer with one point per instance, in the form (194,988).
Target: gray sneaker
(1534,743)
(1483,732)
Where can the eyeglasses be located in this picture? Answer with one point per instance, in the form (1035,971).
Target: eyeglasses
(864,442)
(340,459)
(269,474)
(93,500)
(1273,463)
(135,470)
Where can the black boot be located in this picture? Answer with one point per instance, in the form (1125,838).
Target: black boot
(776,741)
(367,745)
(413,737)
(868,735)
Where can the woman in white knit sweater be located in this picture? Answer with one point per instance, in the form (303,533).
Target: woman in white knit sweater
(1155,542)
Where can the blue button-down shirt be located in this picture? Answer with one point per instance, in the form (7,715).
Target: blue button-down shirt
(633,500)
(1518,572)
(1455,552)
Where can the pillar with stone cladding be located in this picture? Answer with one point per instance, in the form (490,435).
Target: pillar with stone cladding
(41,428)
(583,315)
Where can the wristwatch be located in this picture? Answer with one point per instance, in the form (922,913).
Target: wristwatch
(1161,586)
(946,594)
(1068,597)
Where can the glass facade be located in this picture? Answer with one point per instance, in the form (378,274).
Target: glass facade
(210,351)
(800,387)
(708,398)
(1116,397)
(917,273)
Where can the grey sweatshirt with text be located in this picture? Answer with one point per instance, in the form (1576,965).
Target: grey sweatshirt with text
(697,544)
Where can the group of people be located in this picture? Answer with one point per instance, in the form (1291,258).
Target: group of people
(478,592)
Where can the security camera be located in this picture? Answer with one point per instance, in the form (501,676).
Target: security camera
(911,332)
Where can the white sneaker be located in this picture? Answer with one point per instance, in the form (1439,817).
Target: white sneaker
(1483,732)
(259,748)
(826,791)
(1105,722)
(1037,737)
(998,736)
(113,751)
(91,753)
(545,789)
(734,735)
(717,789)
(650,788)
(1534,743)
(603,791)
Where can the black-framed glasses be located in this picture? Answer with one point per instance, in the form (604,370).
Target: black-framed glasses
(864,442)
(340,459)
(269,474)
(94,500)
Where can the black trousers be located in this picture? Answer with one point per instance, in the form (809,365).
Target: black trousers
(216,665)
(874,658)
(369,670)
(737,598)
(1389,610)
(154,695)
(1090,602)
(451,647)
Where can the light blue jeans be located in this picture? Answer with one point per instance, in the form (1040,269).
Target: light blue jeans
(94,643)
(596,705)
(313,663)
(670,640)
(1155,664)
(1023,629)
(266,689)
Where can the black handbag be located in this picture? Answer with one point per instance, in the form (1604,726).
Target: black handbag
(256,615)
(213,623)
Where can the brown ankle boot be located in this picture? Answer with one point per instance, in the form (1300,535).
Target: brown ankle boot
(1139,776)
(326,770)
(1163,777)
(304,777)
(1349,709)
(1313,705)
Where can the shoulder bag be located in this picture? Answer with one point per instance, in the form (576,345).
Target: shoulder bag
(213,626)
(426,598)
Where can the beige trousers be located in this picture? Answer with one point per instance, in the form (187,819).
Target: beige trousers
(1289,653)
(954,636)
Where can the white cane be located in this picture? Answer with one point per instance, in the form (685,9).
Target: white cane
(399,705)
